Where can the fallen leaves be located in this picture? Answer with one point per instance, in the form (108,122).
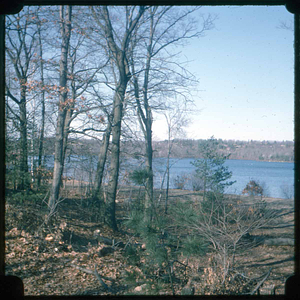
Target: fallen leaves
(46,261)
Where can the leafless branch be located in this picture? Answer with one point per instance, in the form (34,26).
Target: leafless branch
(96,274)
(259,284)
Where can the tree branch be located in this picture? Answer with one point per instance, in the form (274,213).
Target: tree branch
(86,129)
(261,282)
(95,273)
(11,96)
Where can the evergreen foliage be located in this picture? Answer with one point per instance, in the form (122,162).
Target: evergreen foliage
(161,247)
(139,176)
(194,245)
(210,170)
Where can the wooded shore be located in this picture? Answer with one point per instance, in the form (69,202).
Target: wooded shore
(273,151)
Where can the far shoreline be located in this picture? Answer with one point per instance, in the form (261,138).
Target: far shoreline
(256,160)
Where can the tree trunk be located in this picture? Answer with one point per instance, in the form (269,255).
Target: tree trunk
(42,129)
(145,120)
(101,161)
(58,159)
(62,112)
(146,126)
(115,155)
(24,182)
(120,57)
(168,168)
(149,205)
(66,129)
(41,143)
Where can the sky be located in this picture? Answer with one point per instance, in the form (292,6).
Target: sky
(245,71)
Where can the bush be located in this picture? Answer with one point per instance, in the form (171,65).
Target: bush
(287,191)
(197,183)
(132,255)
(253,188)
(26,197)
(180,181)
(194,245)
(139,176)
(222,225)
(158,248)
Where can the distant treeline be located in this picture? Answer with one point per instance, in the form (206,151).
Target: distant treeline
(188,148)
(247,150)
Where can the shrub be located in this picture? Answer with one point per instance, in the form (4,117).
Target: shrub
(223,224)
(139,176)
(197,183)
(180,181)
(253,188)
(287,191)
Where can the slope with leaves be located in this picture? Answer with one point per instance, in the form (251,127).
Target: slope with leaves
(76,254)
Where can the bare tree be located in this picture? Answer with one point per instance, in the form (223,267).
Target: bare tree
(43,104)
(77,76)
(120,56)
(176,122)
(157,76)
(21,37)
(65,20)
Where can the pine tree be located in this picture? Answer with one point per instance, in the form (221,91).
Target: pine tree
(210,169)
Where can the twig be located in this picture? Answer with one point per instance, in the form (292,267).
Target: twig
(129,241)
(100,280)
(95,273)
(44,200)
(261,282)
(179,263)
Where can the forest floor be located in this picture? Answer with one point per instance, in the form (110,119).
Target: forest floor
(66,256)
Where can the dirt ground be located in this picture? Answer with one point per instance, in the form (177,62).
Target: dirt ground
(61,258)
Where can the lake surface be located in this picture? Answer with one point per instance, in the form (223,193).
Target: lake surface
(273,176)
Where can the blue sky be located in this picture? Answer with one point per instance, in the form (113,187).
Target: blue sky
(245,72)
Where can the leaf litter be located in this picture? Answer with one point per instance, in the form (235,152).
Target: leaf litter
(64,257)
